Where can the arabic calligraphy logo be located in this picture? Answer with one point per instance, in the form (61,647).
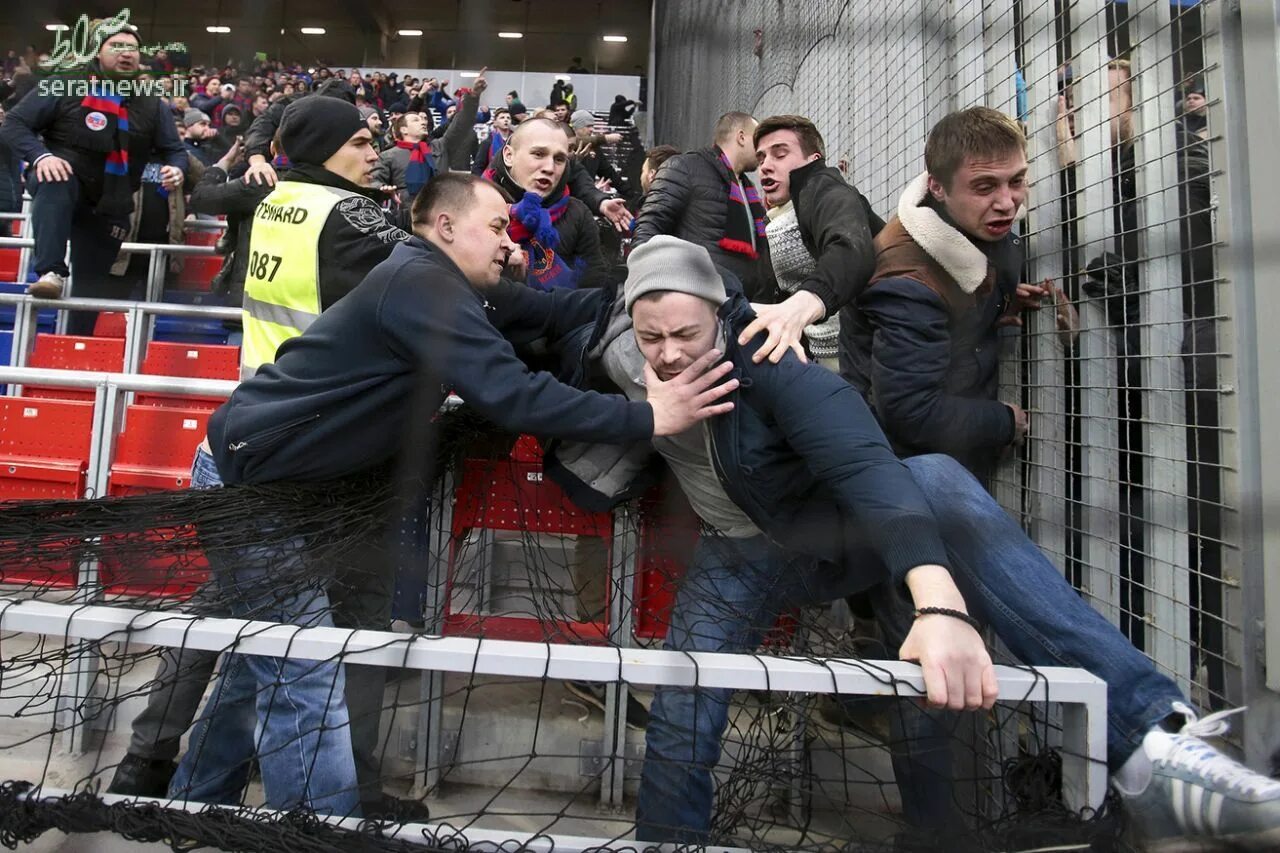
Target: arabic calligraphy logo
(76,52)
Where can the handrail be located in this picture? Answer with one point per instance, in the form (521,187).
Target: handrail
(170,309)
(142,382)
(128,248)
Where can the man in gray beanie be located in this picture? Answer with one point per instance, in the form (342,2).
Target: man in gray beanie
(804,502)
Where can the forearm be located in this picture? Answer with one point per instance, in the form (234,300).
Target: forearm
(933,586)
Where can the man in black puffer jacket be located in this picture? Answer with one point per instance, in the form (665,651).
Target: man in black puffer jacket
(703,197)
(555,231)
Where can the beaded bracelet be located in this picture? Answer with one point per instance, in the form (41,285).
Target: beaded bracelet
(954,614)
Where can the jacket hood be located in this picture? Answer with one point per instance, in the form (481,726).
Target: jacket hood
(802,175)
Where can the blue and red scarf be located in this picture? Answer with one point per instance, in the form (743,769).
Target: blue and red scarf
(533,221)
(738,227)
(496,144)
(418,171)
(106,122)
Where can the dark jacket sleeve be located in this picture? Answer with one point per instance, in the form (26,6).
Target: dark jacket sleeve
(258,138)
(583,188)
(216,195)
(833,221)
(455,137)
(827,423)
(587,247)
(24,123)
(355,239)
(910,362)
(523,319)
(166,140)
(473,357)
(668,196)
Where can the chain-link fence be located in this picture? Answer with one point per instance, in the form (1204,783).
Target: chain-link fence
(1129,480)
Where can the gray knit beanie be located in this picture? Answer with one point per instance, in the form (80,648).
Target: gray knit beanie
(668,263)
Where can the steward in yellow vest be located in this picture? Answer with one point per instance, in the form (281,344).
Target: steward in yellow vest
(319,232)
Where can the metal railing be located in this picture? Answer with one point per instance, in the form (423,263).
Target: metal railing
(139,321)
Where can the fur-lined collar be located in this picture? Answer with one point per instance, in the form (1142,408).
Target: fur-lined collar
(953,251)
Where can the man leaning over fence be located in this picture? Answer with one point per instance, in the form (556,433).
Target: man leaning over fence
(314,237)
(807,502)
(355,393)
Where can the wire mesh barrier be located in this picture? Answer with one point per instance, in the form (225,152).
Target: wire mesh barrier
(1124,479)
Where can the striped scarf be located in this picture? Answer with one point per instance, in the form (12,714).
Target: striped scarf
(107,121)
(418,171)
(738,228)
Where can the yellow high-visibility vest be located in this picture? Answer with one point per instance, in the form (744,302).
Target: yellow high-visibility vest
(282,280)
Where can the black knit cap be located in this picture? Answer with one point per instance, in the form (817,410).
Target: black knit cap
(314,128)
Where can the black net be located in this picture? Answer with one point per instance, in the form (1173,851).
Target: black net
(490,550)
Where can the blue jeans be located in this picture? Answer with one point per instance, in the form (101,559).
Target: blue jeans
(290,713)
(735,588)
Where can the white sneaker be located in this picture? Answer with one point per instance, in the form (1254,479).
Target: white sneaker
(1199,799)
(48,286)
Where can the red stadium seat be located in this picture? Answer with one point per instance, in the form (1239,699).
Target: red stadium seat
(72,352)
(511,494)
(198,271)
(44,454)
(195,361)
(110,324)
(154,454)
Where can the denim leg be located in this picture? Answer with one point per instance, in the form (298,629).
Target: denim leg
(215,767)
(726,603)
(302,739)
(53,204)
(1011,586)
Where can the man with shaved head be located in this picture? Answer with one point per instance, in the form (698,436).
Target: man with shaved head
(556,233)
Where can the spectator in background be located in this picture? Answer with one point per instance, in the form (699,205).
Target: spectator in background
(560,110)
(570,98)
(260,106)
(84,170)
(201,139)
(653,160)
(702,197)
(621,111)
(244,95)
(586,150)
(519,112)
(406,168)
(491,149)
(210,99)
(1195,112)
(556,232)
(232,126)
(10,175)
(576,67)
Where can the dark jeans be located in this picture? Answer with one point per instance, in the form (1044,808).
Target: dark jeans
(59,214)
(735,588)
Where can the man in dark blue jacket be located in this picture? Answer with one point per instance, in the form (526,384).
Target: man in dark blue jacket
(810,504)
(344,399)
(923,346)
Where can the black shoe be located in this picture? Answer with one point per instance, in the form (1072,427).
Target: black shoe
(592,693)
(142,777)
(396,810)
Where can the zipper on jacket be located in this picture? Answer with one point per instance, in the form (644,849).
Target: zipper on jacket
(271,436)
